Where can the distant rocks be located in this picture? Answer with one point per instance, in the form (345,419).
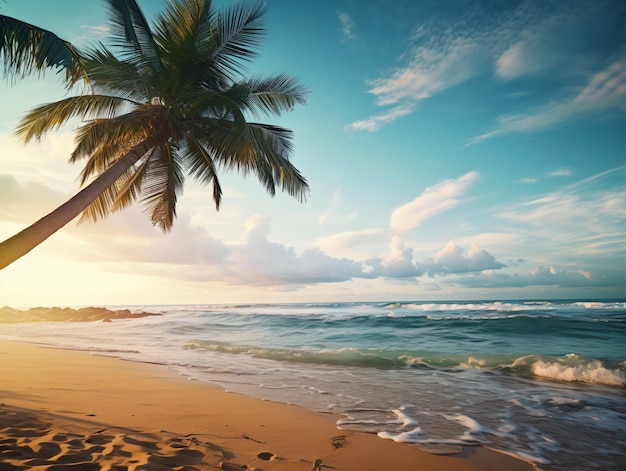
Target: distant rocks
(66,314)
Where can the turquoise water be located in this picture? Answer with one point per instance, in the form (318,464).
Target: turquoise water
(543,380)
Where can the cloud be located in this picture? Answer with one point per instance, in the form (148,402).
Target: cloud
(604,91)
(581,221)
(347,29)
(91,33)
(343,242)
(451,259)
(546,276)
(127,243)
(442,56)
(431,69)
(435,199)
(584,217)
(45,161)
(98,30)
(513,41)
(561,172)
(397,264)
(26,202)
(515,62)
(374,123)
(334,212)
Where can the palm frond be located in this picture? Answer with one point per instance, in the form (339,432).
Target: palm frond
(124,191)
(177,25)
(239,35)
(129,189)
(200,165)
(260,149)
(132,34)
(108,136)
(181,31)
(273,145)
(230,147)
(109,75)
(162,181)
(272,95)
(38,121)
(25,49)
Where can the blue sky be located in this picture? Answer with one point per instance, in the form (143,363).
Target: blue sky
(455,150)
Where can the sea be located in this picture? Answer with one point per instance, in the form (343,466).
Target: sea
(542,380)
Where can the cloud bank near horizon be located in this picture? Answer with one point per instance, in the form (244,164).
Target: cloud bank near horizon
(189,253)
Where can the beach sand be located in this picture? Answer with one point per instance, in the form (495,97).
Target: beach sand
(65,410)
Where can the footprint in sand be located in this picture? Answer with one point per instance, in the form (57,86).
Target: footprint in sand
(266,456)
(339,441)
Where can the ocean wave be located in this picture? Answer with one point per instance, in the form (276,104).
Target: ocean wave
(469,306)
(481,317)
(341,357)
(507,306)
(570,367)
(592,372)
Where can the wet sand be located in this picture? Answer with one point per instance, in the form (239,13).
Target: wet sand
(66,410)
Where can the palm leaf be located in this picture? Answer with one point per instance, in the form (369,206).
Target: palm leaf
(102,206)
(272,95)
(182,31)
(239,35)
(109,75)
(129,189)
(37,122)
(229,146)
(132,34)
(109,136)
(162,180)
(25,49)
(120,195)
(201,166)
(273,167)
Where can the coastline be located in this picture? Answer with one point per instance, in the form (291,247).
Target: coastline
(69,407)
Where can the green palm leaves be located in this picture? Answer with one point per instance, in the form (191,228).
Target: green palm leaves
(25,49)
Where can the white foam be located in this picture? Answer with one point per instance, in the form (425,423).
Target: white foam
(563,401)
(411,436)
(520,361)
(473,363)
(592,372)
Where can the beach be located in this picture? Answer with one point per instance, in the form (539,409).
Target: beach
(538,381)
(74,410)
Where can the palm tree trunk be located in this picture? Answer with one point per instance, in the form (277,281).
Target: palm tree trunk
(23,242)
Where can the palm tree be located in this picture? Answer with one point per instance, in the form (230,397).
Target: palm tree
(171,103)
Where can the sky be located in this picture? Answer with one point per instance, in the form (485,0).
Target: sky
(454,150)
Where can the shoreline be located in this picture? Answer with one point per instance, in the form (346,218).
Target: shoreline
(72,407)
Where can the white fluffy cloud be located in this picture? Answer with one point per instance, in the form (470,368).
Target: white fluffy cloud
(435,199)
(451,259)
(347,241)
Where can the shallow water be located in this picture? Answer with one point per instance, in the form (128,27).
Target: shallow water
(542,380)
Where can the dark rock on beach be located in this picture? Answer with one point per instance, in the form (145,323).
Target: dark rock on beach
(66,314)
